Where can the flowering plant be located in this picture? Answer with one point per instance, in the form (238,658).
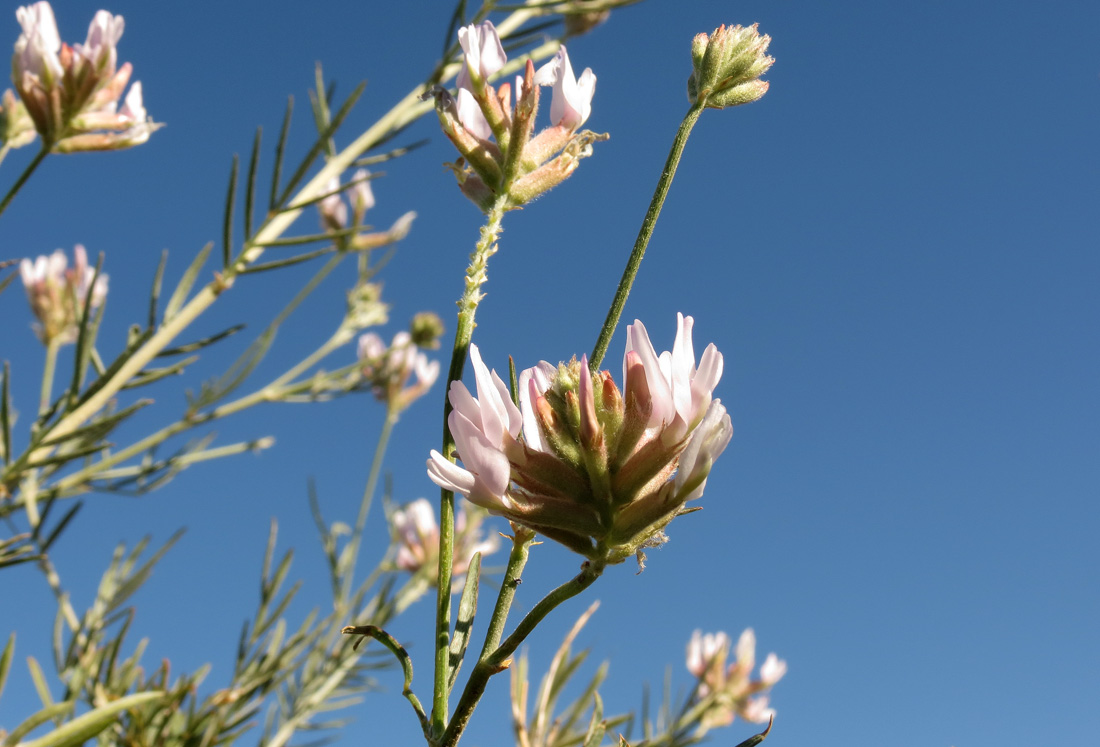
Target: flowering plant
(558,451)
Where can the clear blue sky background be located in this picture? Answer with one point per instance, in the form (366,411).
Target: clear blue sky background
(896,251)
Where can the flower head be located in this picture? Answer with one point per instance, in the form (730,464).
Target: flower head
(417,533)
(730,690)
(57,294)
(600,470)
(398,374)
(501,154)
(72,93)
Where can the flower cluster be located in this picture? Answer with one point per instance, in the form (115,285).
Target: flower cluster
(333,211)
(417,533)
(729,689)
(388,369)
(600,470)
(58,294)
(72,93)
(500,152)
(727,65)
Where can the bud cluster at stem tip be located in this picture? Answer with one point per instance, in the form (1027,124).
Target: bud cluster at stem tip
(727,65)
(72,93)
(501,154)
(599,469)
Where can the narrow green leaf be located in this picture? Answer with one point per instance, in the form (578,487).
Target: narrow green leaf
(230,204)
(280,152)
(158,283)
(288,262)
(319,145)
(6,282)
(57,530)
(312,237)
(391,154)
(513,383)
(84,727)
(5,661)
(457,20)
(596,726)
(68,456)
(98,428)
(191,347)
(758,738)
(39,681)
(250,185)
(85,339)
(139,577)
(179,295)
(5,413)
(35,720)
(149,375)
(464,623)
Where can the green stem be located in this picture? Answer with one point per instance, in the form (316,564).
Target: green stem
(48,369)
(476,275)
(495,662)
(644,234)
(38,158)
(368,494)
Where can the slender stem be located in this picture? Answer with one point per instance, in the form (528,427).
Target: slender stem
(644,234)
(476,275)
(38,158)
(521,544)
(495,662)
(368,493)
(48,368)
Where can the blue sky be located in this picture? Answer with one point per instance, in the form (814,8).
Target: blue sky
(896,250)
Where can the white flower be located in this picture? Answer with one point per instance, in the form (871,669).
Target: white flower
(57,295)
(572,101)
(418,535)
(36,49)
(482,51)
(702,650)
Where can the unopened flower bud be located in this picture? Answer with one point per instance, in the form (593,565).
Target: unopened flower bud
(426,329)
(727,66)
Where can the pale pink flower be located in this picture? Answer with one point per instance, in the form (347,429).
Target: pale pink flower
(37,48)
(98,49)
(572,101)
(731,690)
(398,374)
(418,534)
(608,488)
(73,93)
(57,294)
(471,116)
(334,213)
(703,649)
(482,52)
